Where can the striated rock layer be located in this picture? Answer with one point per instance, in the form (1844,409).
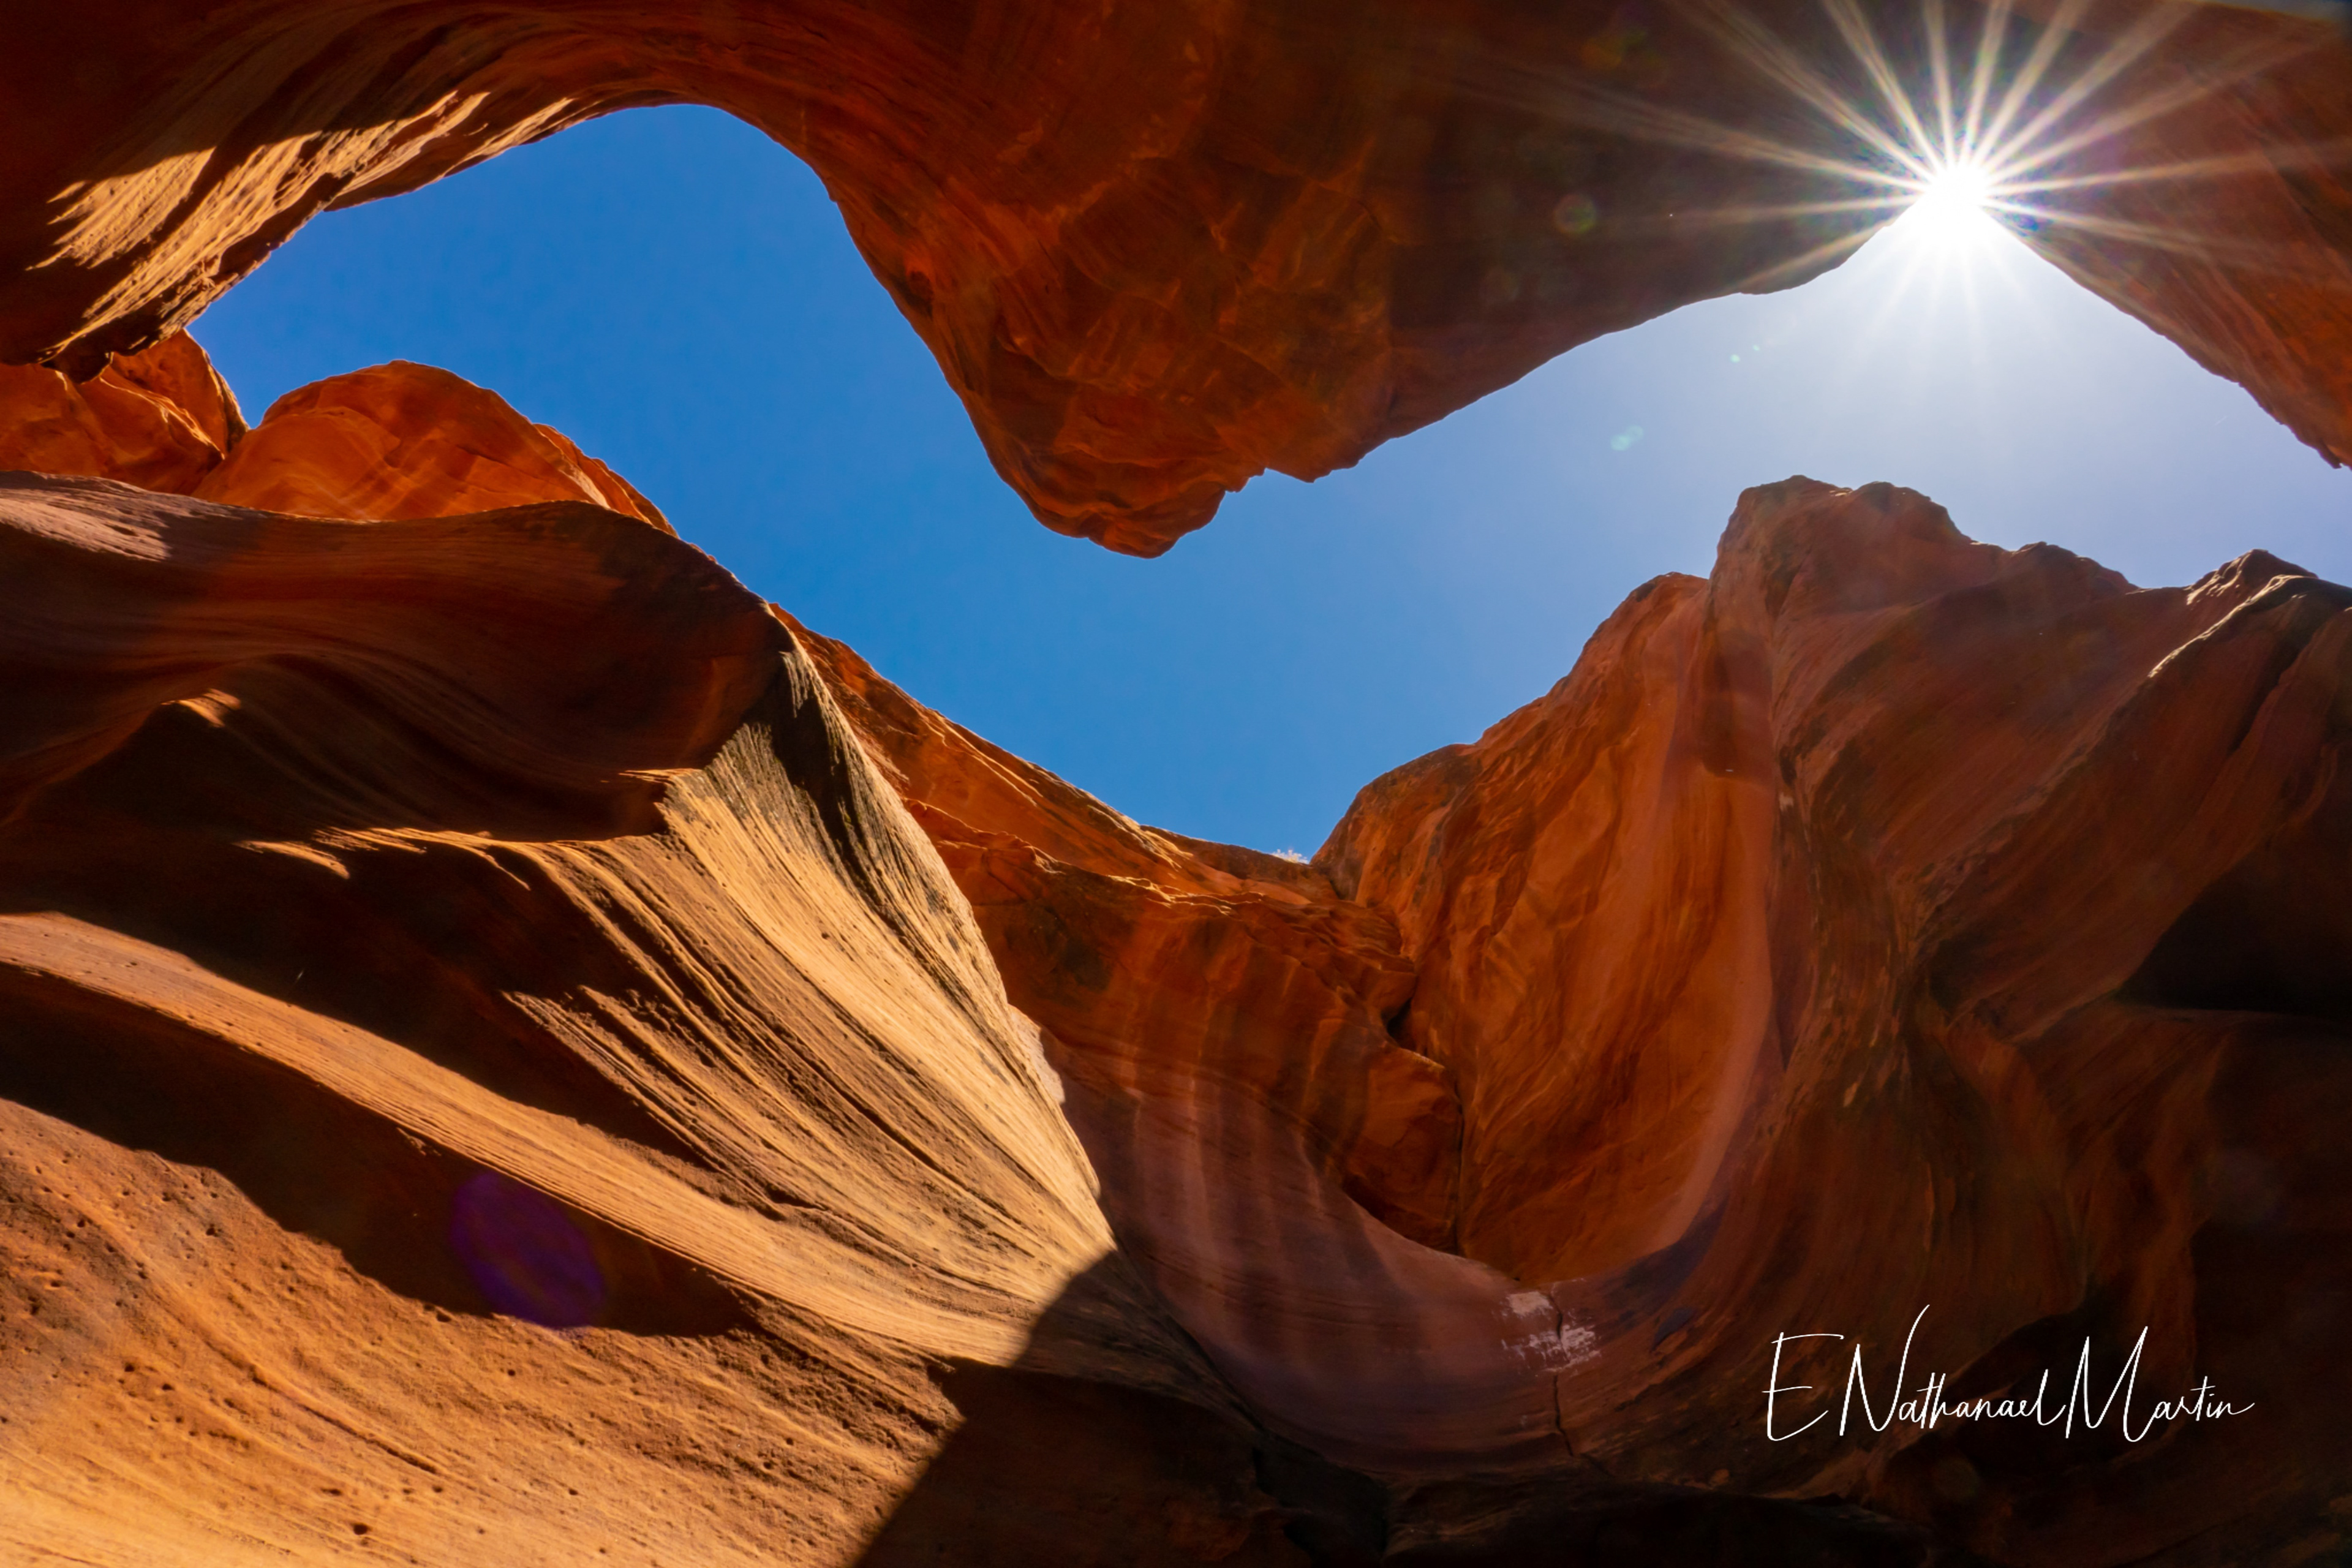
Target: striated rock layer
(1889,922)
(1160,247)
(396,440)
(492,1075)
(512,1050)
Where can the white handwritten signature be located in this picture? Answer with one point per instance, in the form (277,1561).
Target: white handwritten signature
(1927,1405)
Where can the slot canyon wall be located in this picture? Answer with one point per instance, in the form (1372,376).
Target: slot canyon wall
(515,1050)
(1159,248)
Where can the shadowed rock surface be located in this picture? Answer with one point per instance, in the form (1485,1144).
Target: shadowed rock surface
(1159,248)
(500,917)
(513,1050)
(417,934)
(1889,921)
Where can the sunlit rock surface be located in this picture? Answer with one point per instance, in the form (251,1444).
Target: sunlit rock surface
(488,1004)
(407,440)
(490,1074)
(1160,247)
(396,440)
(512,1050)
(161,419)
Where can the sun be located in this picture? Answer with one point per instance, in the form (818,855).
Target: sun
(1953,203)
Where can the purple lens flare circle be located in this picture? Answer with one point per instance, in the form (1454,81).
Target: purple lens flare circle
(525,1253)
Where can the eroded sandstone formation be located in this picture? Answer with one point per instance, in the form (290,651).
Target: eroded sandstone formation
(161,419)
(1891,921)
(396,440)
(1159,248)
(496,1017)
(419,932)
(408,440)
(1868,920)
(513,1050)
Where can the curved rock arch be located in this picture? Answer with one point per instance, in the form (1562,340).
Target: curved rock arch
(1159,249)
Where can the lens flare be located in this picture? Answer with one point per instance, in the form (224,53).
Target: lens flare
(1960,126)
(529,1258)
(1954,202)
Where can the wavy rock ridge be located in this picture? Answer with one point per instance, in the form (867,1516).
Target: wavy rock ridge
(357,986)
(493,1064)
(513,1050)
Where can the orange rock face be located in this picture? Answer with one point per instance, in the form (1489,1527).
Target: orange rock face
(490,1074)
(1161,248)
(1887,897)
(407,440)
(1872,928)
(1219,1018)
(396,440)
(1438,1201)
(1019,842)
(160,420)
(513,1050)
(1583,894)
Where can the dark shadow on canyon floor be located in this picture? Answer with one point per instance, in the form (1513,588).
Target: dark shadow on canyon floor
(1049,1468)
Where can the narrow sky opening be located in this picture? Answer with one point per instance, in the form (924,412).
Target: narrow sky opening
(677,293)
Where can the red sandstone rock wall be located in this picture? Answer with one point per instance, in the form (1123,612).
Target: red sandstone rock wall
(1799,963)
(1887,896)
(406,440)
(510,1046)
(1895,922)
(490,1074)
(396,440)
(1219,1021)
(1161,248)
(1022,843)
(161,419)
(1700,939)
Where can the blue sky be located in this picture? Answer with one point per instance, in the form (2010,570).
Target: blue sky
(677,293)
